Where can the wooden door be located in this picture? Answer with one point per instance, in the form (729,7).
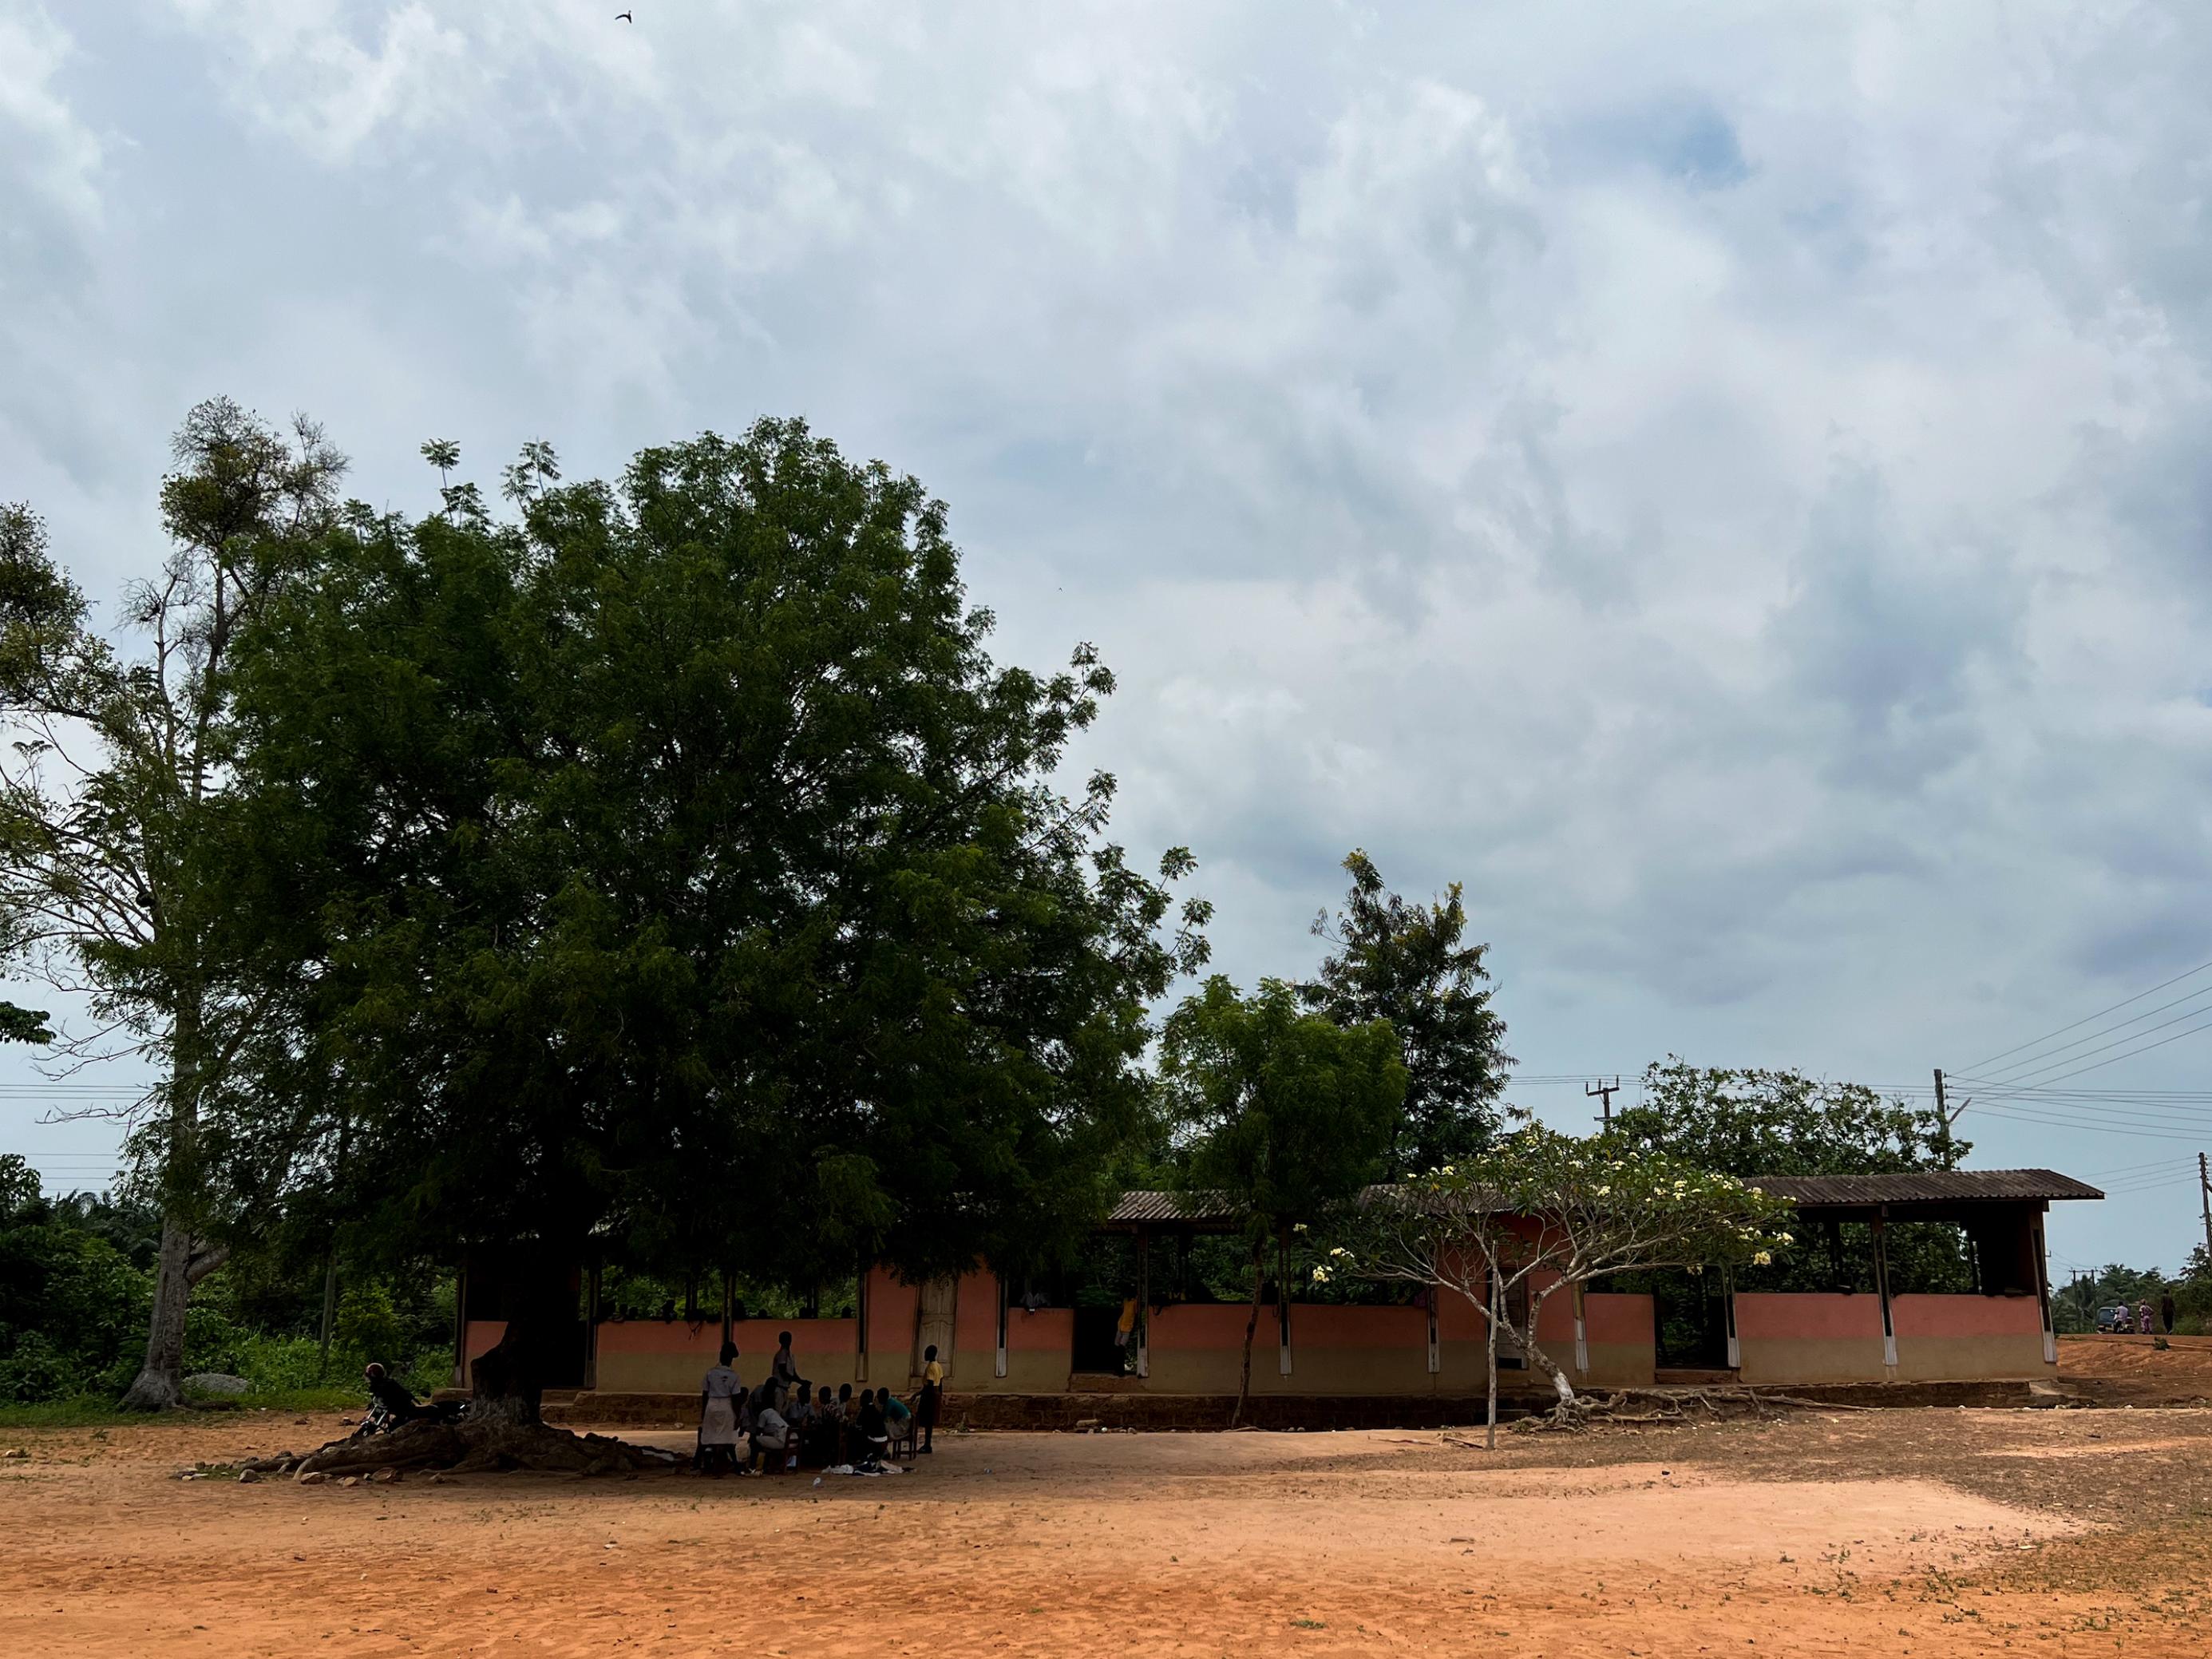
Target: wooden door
(933,1322)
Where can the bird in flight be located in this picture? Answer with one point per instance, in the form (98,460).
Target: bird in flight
(624,17)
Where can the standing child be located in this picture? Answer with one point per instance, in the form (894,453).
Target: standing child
(932,1394)
(718,1412)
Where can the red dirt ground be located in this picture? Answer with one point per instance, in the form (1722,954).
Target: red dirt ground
(1936,1531)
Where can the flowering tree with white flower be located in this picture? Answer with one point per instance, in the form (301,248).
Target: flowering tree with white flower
(1554,1213)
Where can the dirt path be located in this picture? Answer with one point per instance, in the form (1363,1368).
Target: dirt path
(1913,1532)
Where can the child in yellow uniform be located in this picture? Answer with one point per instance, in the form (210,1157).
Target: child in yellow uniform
(932,1394)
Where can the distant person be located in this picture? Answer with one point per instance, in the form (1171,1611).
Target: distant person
(718,1412)
(785,1369)
(873,1429)
(898,1419)
(771,1430)
(817,1432)
(932,1400)
(396,1398)
(2166,1311)
(2142,1318)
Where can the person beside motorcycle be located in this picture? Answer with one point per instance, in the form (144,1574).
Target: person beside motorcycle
(396,1399)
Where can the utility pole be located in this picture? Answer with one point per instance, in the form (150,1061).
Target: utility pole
(1603,1090)
(1945,1117)
(2204,1192)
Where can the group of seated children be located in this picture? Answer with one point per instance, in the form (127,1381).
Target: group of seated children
(781,1425)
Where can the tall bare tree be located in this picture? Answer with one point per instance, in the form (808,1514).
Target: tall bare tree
(117,758)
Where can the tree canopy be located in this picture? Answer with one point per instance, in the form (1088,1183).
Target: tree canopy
(1409,963)
(687,878)
(1554,1211)
(1750,1122)
(111,797)
(1284,1115)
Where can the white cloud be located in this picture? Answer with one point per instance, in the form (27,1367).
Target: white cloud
(1728,483)
(332,79)
(46,147)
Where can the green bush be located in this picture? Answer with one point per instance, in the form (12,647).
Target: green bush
(368,1323)
(72,1307)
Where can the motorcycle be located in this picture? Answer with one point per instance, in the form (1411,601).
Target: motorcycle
(381,1419)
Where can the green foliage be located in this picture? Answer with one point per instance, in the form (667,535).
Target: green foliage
(1753,1122)
(1553,1211)
(682,873)
(69,1300)
(1287,1115)
(76,1280)
(1747,1122)
(1284,1115)
(2074,1304)
(112,772)
(23,1024)
(1408,964)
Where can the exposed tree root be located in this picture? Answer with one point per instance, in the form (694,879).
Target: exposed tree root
(1671,1406)
(467,1448)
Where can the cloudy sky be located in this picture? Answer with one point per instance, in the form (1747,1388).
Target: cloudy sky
(1726,482)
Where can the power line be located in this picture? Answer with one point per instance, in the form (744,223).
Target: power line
(2010,1114)
(2031,1077)
(2048,1059)
(2130,1169)
(2100,1014)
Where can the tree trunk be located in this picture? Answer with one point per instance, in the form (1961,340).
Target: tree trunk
(1251,1330)
(507,1382)
(1565,1407)
(1490,1346)
(161,1383)
(330,1313)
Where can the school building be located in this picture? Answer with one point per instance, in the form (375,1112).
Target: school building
(1870,1328)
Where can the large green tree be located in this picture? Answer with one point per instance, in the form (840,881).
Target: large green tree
(1285,1116)
(118,760)
(1411,965)
(1749,1122)
(689,883)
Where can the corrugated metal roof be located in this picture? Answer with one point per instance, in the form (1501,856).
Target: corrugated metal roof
(1927,1187)
(1816,1192)
(1169,1206)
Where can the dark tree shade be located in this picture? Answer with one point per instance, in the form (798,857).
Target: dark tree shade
(1410,965)
(687,878)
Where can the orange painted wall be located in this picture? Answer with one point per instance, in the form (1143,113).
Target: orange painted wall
(1210,1326)
(891,1307)
(1049,1330)
(1966,1316)
(1764,1318)
(1555,1323)
(975,1312)
(1458,1320)
(1622,1318)
(1319,1326)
